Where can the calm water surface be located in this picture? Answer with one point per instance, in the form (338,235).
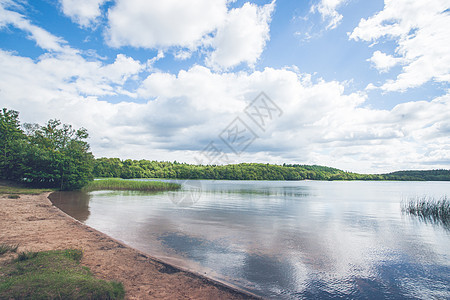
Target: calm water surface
(290,240)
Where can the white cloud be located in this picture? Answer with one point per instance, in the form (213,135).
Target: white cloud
(227,37)
(122,68)
(179,114)
(242,37)
(70,74)
(43,38)
(383,62)
(182,54)
(420,29)
(83,12)
(328,11)
(154,24)
(63,67)
(311,25)
(174,116)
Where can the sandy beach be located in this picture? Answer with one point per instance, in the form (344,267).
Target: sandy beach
(36,225)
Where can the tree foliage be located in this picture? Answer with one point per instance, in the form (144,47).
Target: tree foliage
(429,175)
(10,133)
(54,155)
(115,167)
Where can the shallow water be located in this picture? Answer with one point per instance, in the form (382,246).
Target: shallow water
(278,239)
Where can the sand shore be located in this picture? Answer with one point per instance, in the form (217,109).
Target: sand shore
(36,225)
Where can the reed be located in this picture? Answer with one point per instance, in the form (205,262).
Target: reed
(131,185)
(428,208)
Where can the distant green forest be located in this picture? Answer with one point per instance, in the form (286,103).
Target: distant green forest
(55,155)
(115,167)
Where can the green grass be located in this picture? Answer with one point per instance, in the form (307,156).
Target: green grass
(131,185)
(429,209)
(8,248)
(53,275)
(21,190)
(13,196)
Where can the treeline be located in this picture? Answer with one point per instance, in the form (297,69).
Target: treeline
(53,155)
(429,175)
(115,167)
(56,155)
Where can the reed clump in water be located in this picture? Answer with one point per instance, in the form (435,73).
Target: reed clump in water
(130,185)
(429,209)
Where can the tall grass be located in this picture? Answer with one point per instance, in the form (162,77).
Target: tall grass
(429,209)
(131,185)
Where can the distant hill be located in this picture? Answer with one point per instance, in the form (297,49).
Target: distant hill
(428,175)
(115,167)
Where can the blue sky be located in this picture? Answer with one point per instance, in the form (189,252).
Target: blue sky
(362,85)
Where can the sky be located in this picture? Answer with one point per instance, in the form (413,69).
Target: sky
(358,85)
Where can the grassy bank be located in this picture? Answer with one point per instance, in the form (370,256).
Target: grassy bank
(132,185)
(13,190)
(53,275)
(429,209)
(22,190)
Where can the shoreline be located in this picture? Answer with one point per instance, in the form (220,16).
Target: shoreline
(34,223)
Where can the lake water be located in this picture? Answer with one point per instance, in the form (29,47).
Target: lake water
(289,240)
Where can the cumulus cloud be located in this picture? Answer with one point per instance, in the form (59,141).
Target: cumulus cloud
(420,29)
(228,37)
(63,66)
(383,62)
(328,11)
(179,114)
(242,37)
(83,12)
(153,24)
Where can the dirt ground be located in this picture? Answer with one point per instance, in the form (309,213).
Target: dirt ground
(36,225)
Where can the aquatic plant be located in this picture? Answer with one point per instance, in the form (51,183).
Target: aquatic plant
(132,185)
(429,209)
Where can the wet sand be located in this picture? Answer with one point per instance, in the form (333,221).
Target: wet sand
(36,225)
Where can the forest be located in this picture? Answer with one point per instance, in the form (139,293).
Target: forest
(115,167)
(56,155)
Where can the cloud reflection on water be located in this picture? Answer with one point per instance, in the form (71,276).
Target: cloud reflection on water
(290,239)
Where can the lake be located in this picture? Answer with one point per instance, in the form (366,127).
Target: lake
(288,240)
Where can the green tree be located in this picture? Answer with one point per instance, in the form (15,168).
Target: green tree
(11,137)
(58,156)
